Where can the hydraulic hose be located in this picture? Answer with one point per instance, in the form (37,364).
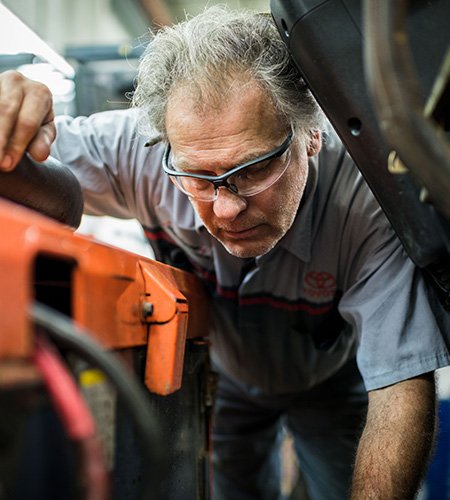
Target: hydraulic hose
(133,396)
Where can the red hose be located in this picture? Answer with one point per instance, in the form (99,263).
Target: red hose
(75,417)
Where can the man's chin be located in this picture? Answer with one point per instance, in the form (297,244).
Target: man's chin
(247,250)
(261,241)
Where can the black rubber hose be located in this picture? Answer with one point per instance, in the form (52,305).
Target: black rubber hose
(134,398)
(49,188)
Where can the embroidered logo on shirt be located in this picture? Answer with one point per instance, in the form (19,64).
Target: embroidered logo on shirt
(320,284)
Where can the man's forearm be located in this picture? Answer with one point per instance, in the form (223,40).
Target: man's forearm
(395,445)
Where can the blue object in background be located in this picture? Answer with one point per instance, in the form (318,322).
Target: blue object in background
(437,481)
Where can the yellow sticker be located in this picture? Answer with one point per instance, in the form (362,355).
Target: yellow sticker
(91,377)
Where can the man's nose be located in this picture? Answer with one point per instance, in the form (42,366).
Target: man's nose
(228,205)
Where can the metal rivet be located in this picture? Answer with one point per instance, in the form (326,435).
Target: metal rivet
(147,309)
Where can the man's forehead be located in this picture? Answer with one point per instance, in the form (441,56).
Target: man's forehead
(249,109)
(214,93)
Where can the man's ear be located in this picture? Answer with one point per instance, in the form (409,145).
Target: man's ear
(314,142)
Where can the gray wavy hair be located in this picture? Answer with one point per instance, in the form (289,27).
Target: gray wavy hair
(206,54)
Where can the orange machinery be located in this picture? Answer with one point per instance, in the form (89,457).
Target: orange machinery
(128,304)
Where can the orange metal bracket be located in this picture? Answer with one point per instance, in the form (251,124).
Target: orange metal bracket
(122,299)
(166,309)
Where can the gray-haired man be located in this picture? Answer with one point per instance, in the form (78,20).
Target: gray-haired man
(244,186)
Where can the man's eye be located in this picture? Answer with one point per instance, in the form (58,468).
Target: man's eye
(196,184)
(257,171)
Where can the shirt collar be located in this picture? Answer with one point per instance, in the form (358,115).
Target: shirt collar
(197,221)
(298,239)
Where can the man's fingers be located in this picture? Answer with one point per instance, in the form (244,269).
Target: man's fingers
(11,97)
(26,119)
(39,147)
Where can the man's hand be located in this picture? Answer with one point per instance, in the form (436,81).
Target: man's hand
(26,119)
(395,446)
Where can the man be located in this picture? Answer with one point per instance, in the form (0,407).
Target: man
(239,183)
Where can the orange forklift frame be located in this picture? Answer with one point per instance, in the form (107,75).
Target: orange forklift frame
(122,299)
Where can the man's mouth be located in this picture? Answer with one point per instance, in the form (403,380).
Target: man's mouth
(243,233)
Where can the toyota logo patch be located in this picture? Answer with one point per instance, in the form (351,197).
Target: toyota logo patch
(320,284)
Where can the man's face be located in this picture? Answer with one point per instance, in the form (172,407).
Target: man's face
(213,141)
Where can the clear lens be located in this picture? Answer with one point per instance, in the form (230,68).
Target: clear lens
(248,182)
(257,178)
(196,188)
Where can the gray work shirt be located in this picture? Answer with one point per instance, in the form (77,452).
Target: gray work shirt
(337,284)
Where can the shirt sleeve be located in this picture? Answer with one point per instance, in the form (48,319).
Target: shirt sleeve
(110,161)
(402,330)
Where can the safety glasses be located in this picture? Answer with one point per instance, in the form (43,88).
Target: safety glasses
(248,179)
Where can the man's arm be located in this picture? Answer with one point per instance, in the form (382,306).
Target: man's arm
(395,445)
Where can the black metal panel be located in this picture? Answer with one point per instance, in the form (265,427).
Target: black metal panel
(182,418)
(325,40)
(37,461)
(48,187)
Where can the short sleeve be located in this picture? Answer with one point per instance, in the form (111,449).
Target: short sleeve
(390,307)
(110,161)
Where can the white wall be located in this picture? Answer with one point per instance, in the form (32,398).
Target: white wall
(62,22)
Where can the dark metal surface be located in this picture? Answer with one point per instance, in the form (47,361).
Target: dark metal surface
(37,461)
(183,419)
(421,143)
(48,187)
(325,39)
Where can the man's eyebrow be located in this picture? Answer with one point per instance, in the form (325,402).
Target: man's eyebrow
(254,156)
(245,159)
(185,165)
